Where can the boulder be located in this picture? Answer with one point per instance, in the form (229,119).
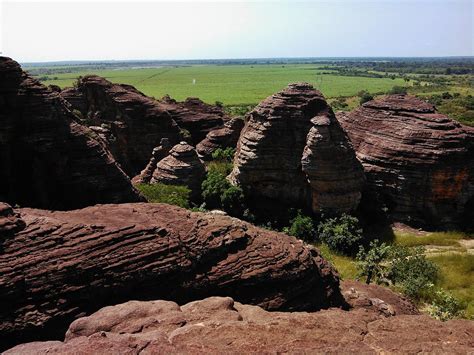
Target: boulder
(419,163)
(135,123)
(157,154)
(181,167)
(47,158)
(57,266)
(219,325)
(225,137)
(293,151)
(195,116)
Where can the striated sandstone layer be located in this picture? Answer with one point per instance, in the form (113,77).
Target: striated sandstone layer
(293,150)
(157,154)
(225,137)
(197,117)
(57,266)
(181,167)
(132,123)
(48,159)
(419,163)
(218,325)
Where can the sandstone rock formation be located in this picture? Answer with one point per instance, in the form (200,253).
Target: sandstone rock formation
(419,163)
(197,117)
(133,123)
(157,154)
(56,266)
(181,167)
(225,137)
(218,325)
(293,150)
(47,159)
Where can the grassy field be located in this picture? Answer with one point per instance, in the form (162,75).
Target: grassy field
(233,84)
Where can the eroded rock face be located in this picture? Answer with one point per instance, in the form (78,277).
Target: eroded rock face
(157,154)
(56,266)
(419,163)
(197,117)
(181,167)
(133,123)
(225,137)
(293,150)
(218,325)
(47,159)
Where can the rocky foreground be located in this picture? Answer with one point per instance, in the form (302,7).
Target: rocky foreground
(380,322)
(57,266)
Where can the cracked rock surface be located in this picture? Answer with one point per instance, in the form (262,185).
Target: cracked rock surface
(219,325)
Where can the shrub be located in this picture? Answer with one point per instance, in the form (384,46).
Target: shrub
(232,201)
(341,234)
(213,187)
(226,154)
(401,90)
(412,271)
(302,227)
(444,306)
(222,167)
(171,194)
(365,98)
(371,263)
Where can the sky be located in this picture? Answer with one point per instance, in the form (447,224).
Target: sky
(34,31)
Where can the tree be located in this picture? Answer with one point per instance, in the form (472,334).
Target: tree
(371,262)
(341,234)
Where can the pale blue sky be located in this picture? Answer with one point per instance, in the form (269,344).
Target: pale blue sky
(71,30)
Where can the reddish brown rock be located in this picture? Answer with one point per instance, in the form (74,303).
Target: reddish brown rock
(134,123)
(157,154)
(293,150)
(62,265)
(225,137)
(419,163)
(197,117)
(47,159)
(218,325)
(181,167)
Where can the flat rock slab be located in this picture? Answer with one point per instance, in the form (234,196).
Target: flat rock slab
(219,325)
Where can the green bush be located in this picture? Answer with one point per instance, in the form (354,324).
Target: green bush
(302,227)
(444,306)
(217,192)
(365,96)
(401,90)
(171,194)
(411,271)
(341,234)
(226,154)
(213,187)
(232,201)
(372,263)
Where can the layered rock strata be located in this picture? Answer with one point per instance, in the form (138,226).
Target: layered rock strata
(195,116)
(225,137)
(56,266)
(133,123)
(157,154)
(48,159)
(181,167)
(293,150)
(419,163)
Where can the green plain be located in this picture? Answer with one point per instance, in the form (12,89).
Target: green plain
(233,84)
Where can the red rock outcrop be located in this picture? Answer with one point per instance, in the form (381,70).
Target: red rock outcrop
(56,266)
(197,117)
(419,163)
(218,325)
(133,123)
(225,137)
(293,150)
(157,154)
(47,159)
(181,167)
